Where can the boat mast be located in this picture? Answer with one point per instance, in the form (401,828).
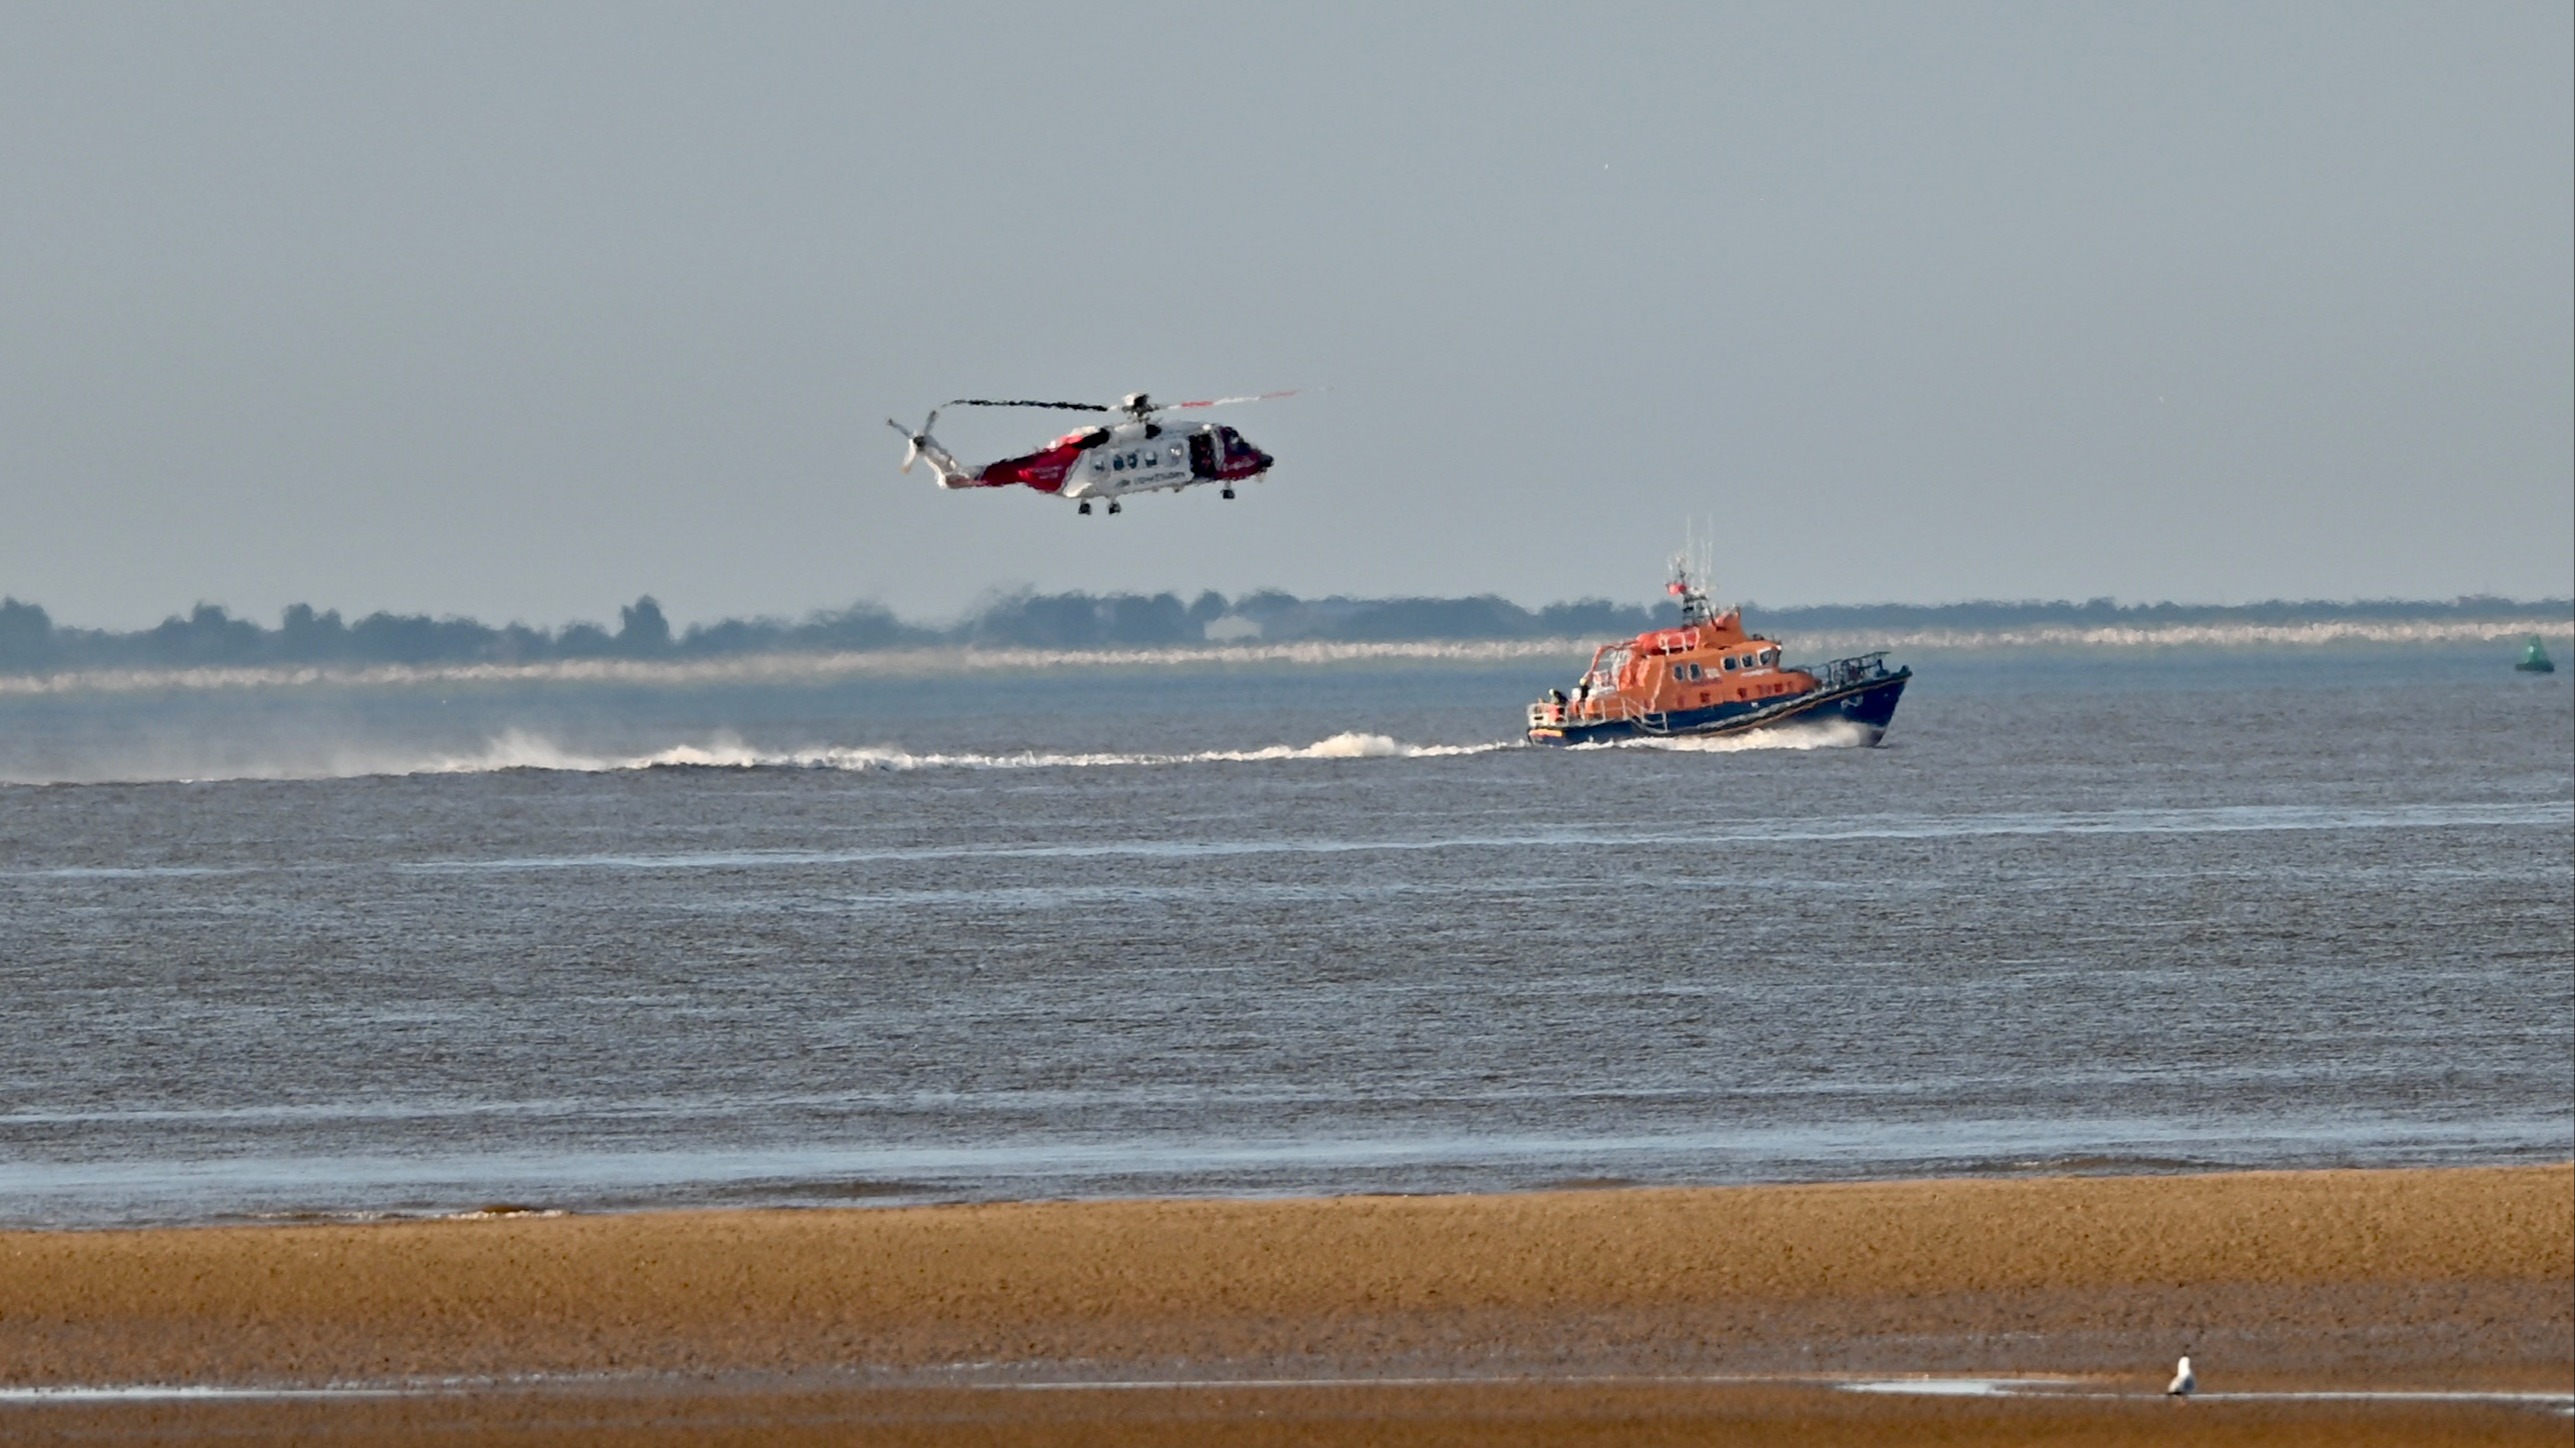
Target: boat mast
(1689,582)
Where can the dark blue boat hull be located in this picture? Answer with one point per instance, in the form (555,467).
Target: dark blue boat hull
(1870,705)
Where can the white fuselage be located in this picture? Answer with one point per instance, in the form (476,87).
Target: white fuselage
(1131,462)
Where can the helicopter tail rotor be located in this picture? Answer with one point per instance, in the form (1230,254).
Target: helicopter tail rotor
(914,443)
(912,440)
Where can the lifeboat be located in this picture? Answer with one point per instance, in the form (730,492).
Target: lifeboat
(1712,677)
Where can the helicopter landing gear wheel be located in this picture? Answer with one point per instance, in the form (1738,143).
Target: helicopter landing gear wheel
(1227,494)
(1114,508)
(1084,510)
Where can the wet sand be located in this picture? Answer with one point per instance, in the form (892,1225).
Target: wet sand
(936,1325)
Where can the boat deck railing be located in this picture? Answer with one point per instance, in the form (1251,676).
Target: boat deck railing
(1598,709)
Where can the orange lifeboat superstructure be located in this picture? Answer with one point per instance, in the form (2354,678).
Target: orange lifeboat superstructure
(1711,676)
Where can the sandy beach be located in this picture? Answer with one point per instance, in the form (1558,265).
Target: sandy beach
(1584,1316)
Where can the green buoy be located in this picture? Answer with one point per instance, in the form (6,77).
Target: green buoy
(2535,660)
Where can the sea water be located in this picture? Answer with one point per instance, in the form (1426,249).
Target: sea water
(414,947)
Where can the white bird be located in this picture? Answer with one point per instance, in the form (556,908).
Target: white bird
(2184,1384)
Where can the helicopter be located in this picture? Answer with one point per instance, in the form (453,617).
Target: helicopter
(1134,454)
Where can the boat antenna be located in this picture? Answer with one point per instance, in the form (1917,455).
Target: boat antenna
(1691,568)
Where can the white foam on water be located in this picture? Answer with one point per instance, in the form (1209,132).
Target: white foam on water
(164,1392)
(1826,734)
(1949,1387)
(1968,1387)
(520,749)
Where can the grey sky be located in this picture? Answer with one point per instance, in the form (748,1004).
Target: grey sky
(521,310)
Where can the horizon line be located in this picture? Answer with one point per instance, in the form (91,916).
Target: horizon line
(993,599)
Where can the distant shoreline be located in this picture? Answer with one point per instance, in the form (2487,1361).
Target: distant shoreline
(800,666)
(1268,626)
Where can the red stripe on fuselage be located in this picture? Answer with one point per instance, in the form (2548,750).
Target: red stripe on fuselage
(1044,470)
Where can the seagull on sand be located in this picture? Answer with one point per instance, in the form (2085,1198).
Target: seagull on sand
(2184,1384)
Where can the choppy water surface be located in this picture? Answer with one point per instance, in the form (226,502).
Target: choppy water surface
(1268,930)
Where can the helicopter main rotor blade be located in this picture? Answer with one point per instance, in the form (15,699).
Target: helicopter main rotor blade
(996,402)
(1228,401)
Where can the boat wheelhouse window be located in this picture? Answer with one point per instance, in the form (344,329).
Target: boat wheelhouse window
(1770,656)
(1730,661)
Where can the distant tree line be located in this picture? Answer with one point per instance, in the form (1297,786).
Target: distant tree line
(30,641)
